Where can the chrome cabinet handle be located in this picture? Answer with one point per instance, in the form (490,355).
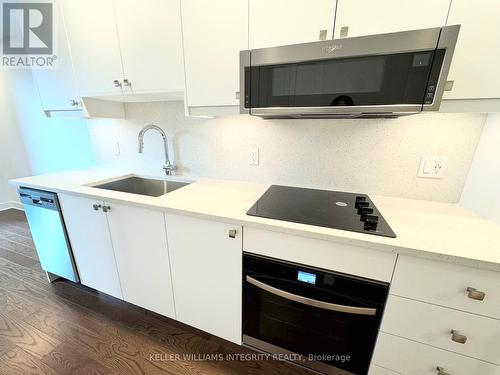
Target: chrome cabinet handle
(127,83)
(473,293)
(458,337)
(117,83)
(96,206)
(311,302)
(106,208)
(74,103)
(232,233)
(322,34)
(442,371)
(448,85)
(344,30)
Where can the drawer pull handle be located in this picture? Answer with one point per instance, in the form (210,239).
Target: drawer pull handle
(96,206)
(232,233)
(473,293)
(458,337)
(311,302)
(442,371)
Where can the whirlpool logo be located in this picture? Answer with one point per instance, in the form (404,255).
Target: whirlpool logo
(331,48)
(28,34)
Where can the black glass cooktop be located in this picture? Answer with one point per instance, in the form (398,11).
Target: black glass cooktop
(324,208)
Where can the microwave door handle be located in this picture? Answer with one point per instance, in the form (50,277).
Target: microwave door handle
(311,302)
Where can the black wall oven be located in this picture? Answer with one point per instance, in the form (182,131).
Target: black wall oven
(330,319)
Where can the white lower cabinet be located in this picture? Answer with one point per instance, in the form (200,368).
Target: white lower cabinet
(440,319)
(91,243)
(206,262)
(377,370)
(412,358)
(140,245)
(121,250)
(463,288)
(473,335)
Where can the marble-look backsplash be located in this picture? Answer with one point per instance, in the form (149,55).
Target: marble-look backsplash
(373,156)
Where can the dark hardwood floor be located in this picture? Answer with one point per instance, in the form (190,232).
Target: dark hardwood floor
(66,328)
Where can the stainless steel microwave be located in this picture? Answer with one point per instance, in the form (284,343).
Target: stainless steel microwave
(384,75)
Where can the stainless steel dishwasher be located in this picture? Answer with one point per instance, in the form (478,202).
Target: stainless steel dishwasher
(49,233)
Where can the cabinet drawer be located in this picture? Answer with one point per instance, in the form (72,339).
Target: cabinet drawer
(446,284)
(376,370)
(373,264)
(431,324)
(412,358)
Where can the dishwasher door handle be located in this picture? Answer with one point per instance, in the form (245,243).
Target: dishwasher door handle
(312,302)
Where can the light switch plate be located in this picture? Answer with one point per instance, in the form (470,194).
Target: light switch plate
(253,156)
(116,149)
(432,166)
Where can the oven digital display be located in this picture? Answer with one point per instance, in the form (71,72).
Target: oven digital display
(306,277)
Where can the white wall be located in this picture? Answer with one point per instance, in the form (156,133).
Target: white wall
(373,156)
(30,143)
(13,158)
(482,187)
(52,144)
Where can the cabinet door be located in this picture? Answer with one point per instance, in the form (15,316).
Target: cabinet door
(206,274)
(151,45)
(88,233)
(57,87)
(140,244)
(375,370)
(93,41)
(362,17)
(474,68)
(280,22)
(213,34)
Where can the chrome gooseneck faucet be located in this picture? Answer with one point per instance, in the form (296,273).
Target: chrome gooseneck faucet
(168,166)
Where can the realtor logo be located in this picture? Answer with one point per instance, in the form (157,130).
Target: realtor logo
(27,34)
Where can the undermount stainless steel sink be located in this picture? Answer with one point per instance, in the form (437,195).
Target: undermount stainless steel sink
(143,186)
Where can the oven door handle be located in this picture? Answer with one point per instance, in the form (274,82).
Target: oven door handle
(312,302)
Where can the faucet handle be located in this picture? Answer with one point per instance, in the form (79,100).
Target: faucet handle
(169,169)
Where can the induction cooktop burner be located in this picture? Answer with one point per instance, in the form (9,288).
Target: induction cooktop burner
(324,208)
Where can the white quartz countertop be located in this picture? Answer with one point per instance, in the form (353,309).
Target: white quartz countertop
(440,231)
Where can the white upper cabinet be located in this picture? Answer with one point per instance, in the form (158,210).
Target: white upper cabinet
(361,17)
(151,45)
(281,22)
(57,87)
(122,47)
(94,45)
(474,68)
(214,32)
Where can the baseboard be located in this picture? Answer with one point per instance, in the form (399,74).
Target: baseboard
(11,204)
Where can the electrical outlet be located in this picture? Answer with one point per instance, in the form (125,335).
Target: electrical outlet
(432,166)
(253,156)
